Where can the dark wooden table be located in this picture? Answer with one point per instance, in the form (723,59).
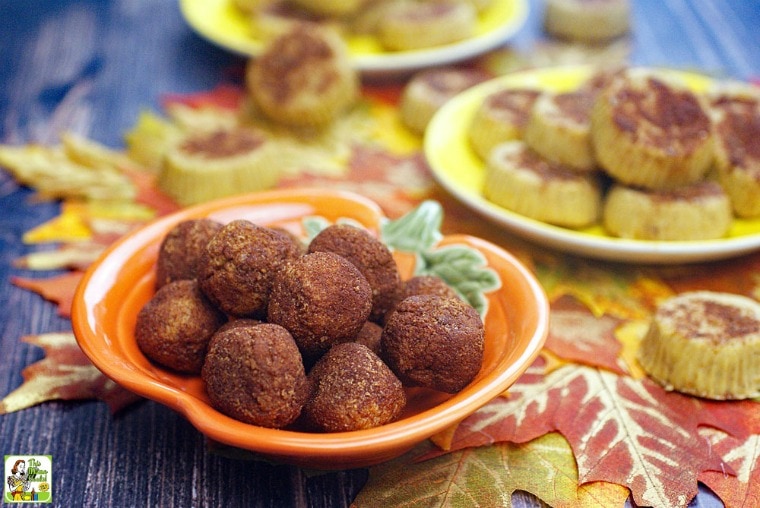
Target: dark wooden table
(91,66)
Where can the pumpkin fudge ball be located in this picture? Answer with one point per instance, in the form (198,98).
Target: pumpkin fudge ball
(321,299)
(434,342)
(239,265)
(371,256)
(370,336)
(174,328)
(182,248)
(428,285)
(425,285)
(352,389)
(255,374)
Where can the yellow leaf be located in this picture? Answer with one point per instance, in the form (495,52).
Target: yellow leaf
(629,335)
(390,132)
(553,362)
(92,154)
(623,293)
(69,226)
(444,438)
(127,211)
(50,171)
(150,138)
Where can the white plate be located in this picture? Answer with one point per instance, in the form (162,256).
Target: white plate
(222,23)
(459,170)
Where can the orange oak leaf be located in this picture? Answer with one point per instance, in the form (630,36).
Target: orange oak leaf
(625,431)
(743,455)
(487,476)
(738,275)
(149,194)
(739,418)
(64,374)
(377,175)
(59,289)
(577,335)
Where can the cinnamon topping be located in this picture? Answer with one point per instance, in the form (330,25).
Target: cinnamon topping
(430,10)
(699,190)
(223,143)
(703,319)
(738,129)
(661,115)
(285,67)
(512,104)
(449,81)
(575,106)
(547,170)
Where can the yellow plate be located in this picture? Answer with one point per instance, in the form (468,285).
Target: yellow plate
(222,23)
(458,169)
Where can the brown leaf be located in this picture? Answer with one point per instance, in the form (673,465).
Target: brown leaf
(66,374)
(59,289)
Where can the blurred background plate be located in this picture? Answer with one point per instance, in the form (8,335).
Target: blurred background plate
(222,23)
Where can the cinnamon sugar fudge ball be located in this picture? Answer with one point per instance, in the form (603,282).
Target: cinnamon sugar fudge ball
(352,389)
(239,265)
(427,285)
(235,323)
(371,256)
(174,328)
(321,299)
(370,336)
(182,248)
(434,342)
(255,374)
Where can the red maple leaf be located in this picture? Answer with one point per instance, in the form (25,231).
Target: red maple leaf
(625,431)
(66,374)
(59,289)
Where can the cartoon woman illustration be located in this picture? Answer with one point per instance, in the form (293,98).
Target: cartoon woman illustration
(18,482)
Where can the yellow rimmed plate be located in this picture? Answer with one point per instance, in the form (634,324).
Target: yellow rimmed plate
(222,23)
(461,172)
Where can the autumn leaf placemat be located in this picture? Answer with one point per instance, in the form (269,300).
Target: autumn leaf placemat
(583,427)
